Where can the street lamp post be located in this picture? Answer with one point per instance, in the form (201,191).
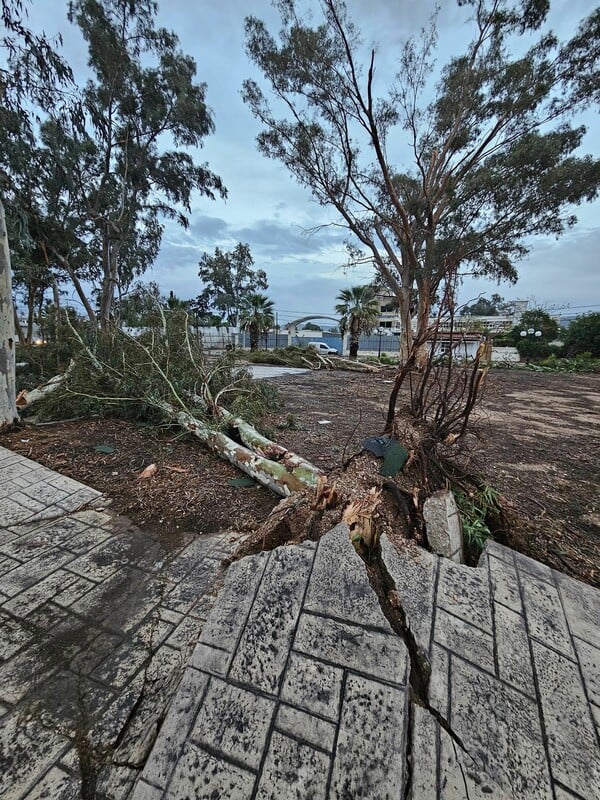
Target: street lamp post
(530,332)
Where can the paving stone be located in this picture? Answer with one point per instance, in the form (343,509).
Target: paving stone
(122,601)
(47,589)
(444,530)
(497,550)
(512,646)
(72,591)
(374,653)
(301,725)
(339,586)
(464,592)
(535,568)
(505,584)
(500,729)
(7,563)
(545,617)
(414,572)
(143,791)
(313,685)
(439,681)
(589,661)
(34,571)
(56,785)
(13,637)
(86,540)
(174,730)
(28,750)
(233,722)
(225,624)
(468,641)
(369,757)
(21,673)
(263,649)
(293,770)
(116,782)
(12,512)
(45,493)
(582,608)
(211,659)
(572,742)
(204,777)
(457,777)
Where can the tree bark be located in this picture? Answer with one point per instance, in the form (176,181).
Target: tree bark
(78,287)
(295,464)
(269,473)
(25,399)
(8,405)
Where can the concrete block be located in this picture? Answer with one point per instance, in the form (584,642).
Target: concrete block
(369,758)
(442,521)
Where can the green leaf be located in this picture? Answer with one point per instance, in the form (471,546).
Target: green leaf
(241,483)
(104,448)
(394,459)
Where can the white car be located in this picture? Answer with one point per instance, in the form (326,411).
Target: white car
(323,348)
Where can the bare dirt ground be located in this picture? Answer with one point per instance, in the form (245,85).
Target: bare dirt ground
(537,441)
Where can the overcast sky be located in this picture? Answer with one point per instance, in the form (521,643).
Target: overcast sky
(267,209)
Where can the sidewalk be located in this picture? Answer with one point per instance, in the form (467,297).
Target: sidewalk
(299,687)
(304,681)
(97,622)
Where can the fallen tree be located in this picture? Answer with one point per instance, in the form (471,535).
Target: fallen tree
(153,374)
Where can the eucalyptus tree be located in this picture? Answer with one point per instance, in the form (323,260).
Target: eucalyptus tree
(32,73)
(492,159)
(359,311)
(228,277)
(121,166)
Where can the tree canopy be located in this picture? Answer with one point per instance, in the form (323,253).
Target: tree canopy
(256,315)
(583,335)
(228,278)
(493,157)
(359,312)
(110,168)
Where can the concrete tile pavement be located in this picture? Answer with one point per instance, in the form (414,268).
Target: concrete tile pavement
(302,682)
(97,622)
(301,688)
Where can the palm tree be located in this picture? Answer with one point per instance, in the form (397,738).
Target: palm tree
(256,316)
(359,312)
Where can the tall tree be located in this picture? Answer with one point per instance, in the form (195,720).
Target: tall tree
(583,335)
(228,278)
(109,175)
(256,315)
(31,72)
(359,312)
(492,157)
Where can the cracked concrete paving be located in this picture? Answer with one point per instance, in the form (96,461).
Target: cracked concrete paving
(97,622)
(310,678)
(301,688)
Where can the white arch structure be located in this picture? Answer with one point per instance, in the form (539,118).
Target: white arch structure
(292,327)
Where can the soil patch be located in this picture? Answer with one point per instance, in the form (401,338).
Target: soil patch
(536,439)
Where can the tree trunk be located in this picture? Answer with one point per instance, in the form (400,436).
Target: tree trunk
(78,287)
(18,328)
(254,336)
(353,347)
(8,405)
(406,335)
(293,463)
(25,399)
(424,309)
(110,265)
(271,474)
